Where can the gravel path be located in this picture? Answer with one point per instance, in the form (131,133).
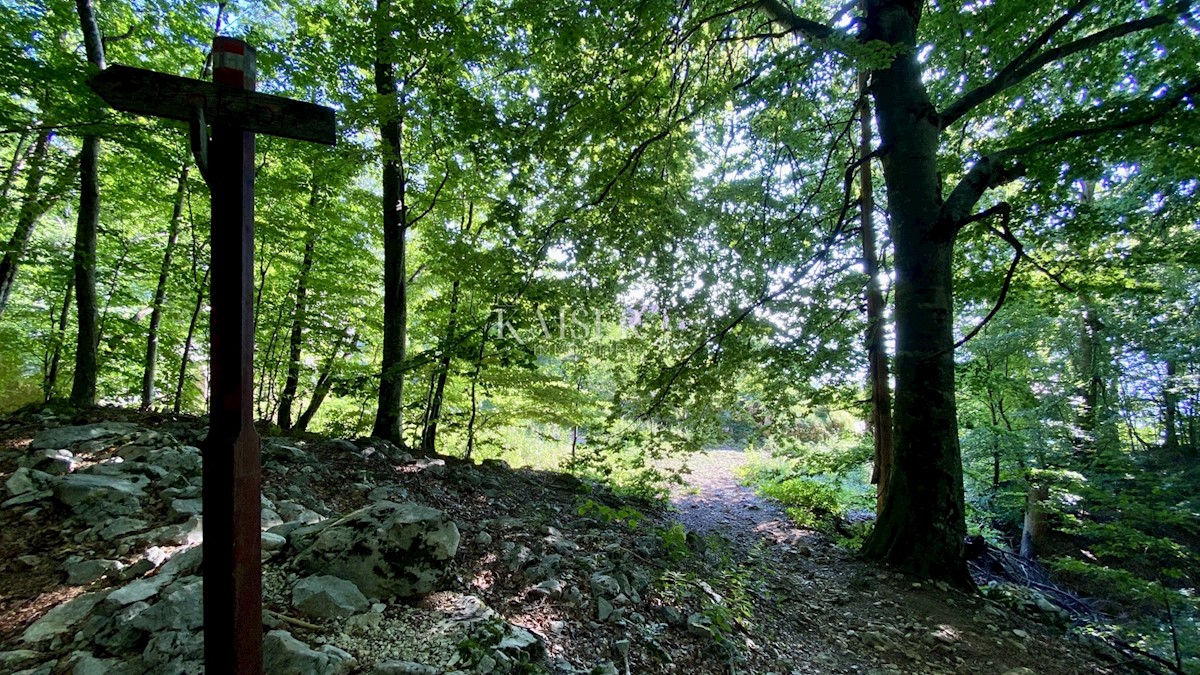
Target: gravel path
(714,502)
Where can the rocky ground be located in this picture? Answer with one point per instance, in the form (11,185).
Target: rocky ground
(376,562)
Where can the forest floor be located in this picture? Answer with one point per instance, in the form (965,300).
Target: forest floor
(717,582)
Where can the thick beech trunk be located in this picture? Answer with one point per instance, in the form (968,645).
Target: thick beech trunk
(921,524)
(83,389)
(881,392)
(296,340)
(160,293)
(389,414)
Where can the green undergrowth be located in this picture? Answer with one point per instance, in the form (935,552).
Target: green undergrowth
(714,588)
(815,493)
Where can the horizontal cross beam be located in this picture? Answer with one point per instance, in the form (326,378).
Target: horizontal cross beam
(146,92)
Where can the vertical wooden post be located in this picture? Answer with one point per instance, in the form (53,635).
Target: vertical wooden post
(232,473)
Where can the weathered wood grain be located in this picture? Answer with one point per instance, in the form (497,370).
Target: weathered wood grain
(146,92)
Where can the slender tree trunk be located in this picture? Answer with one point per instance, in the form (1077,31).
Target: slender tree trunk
(114,279)
(29,213)
(83,389)
(995,445)
(268,369)
(474,385)
(922,521)
(1090,383)
(881,392)
(187,342)
(389,415)
(429,436)
(21,154)
(574,445)
(288,396)
(324,384)
(1034,531)
(472,418)
(1171,405)
(1194,408)
(160,292)
(60,331)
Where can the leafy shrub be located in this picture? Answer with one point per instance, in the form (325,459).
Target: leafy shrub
(626,515)
(808,501)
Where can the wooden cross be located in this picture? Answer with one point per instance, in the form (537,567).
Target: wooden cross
(232,470)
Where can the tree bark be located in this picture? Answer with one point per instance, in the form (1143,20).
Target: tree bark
(28,215)
(881,392)
(1090,382)
(993,407)
(389,415)
(474,385)
(187,343)
(1034,531)
(921,524)
(324,384)
(429,435)
(21,154)
(296,339)
(83,389)
(160,293)
(1171,412)
(60,331)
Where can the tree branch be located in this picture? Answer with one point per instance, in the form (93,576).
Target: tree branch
(1027,64)
(1005,212)
(110,39)
(432,200)
(998,168)
(783,15)
(989,172)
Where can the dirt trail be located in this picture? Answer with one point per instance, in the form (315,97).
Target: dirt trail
(833,612)
(714,502)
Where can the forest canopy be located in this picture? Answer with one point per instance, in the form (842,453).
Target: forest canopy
(953,245)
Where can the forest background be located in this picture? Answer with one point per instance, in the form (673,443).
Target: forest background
(951,250)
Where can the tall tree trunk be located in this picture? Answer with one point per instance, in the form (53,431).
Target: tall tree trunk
(1194,408)
(324,384)
(1090,382)
(474,385)
(83,389)
(1034,531)
(21,154)
(60,331)
(429,435)
(267,370)
(921,524)
(881,392)
(187,342)
(574,446)
(30,210)
(389,415)
(295,341)
(992,408)
(1171,405)
(114,279)
(160,292)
